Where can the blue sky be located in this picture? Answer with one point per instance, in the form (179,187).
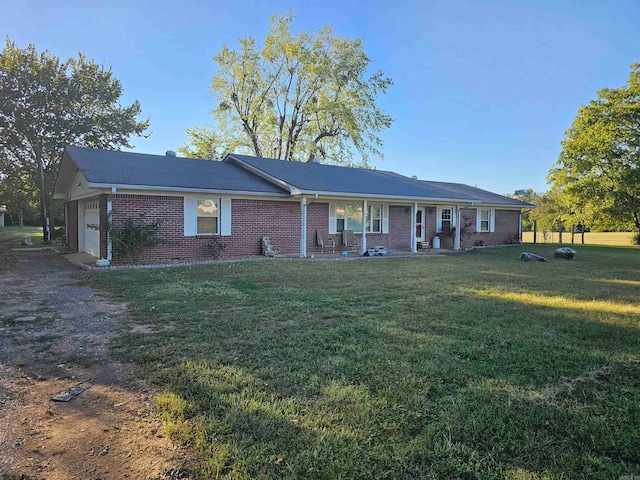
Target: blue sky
(483,90)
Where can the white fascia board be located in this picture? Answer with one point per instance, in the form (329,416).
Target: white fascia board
(502,206)
(178,190)
(367,196)
(293,190)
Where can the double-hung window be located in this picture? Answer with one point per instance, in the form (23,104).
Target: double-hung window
(207,216)
(446,219)
(374,222)
(485,220)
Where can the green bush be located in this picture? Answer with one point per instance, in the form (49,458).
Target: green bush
(131,239)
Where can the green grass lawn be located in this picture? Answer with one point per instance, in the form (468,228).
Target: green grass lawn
(12,236)
(470,366)
(590,238)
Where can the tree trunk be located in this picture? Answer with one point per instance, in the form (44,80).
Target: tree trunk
(560,232)
(573,232)
(535,231)
(46,231)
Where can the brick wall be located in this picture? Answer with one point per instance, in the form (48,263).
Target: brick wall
(250,221)
(72,225)
(505,230)
(103,217)
(281,222)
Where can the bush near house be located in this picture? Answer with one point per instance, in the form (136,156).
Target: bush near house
(470,366)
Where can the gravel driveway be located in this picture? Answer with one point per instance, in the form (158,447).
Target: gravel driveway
(54,335)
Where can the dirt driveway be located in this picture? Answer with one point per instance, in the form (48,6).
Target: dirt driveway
(54,336)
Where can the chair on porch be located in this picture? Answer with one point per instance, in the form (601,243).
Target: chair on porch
(350,240)
(322,237)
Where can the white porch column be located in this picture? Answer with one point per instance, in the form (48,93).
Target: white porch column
(109,219)
(520,227)
(456,240)
(414,244)
(364,228)
(303,228)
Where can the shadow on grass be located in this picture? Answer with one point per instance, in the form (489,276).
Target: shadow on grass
(401,369)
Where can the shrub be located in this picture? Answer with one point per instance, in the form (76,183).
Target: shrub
(133,237)
(216,247)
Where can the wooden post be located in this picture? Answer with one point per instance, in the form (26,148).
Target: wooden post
(573,232)
(535,231)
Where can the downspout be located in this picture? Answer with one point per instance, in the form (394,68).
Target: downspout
(364,227)
(303,228)
(456,241)
(414,212)
(109,219)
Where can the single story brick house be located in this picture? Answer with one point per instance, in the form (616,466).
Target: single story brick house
(244,198)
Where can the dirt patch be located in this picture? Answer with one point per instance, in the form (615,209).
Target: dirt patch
(54,335)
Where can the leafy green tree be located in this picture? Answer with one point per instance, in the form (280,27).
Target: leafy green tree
(598,172)
(299,97)
(46,104)
(529,196)
(204,143)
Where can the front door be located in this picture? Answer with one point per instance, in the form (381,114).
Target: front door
(420,225)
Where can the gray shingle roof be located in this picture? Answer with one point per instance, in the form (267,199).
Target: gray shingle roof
(241,173)
(316,177)
(479,195)
(111,167)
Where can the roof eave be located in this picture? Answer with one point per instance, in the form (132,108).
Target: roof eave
(390,197)
(184,189)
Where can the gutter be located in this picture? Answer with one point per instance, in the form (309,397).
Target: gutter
(184,189)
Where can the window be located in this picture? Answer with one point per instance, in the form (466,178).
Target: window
(349,217)
(207,216)
(445,219)
(483,220)
(375,218)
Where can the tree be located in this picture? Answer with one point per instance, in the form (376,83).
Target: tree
(46,104)
(298,98)
(597,174)
(204,144)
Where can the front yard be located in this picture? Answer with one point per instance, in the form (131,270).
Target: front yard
(471,366)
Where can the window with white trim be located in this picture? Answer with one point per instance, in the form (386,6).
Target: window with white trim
(374,222)
(349,217)
(483,219)
(446,219)
(207,216)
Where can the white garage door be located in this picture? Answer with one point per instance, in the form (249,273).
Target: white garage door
(91,235)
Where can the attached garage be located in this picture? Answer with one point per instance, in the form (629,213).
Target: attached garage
(91,235)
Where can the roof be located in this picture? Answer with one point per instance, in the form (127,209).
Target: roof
(116,168)
(480,196)
(259,176)
(330,179)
